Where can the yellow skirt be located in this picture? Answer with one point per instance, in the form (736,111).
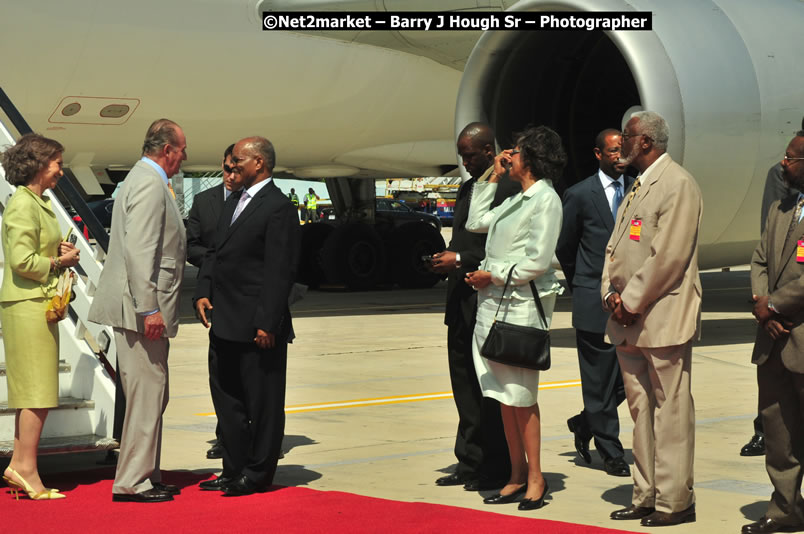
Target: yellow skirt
(32,354)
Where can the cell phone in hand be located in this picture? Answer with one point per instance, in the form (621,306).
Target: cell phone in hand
(72,238)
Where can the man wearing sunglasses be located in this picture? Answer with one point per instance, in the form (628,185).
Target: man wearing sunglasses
(201,224)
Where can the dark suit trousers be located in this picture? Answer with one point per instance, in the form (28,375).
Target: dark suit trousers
(602,390)
(781,404)
(480,445)
(248,391)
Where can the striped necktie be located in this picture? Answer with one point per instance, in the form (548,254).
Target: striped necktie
(632,194)
(796,217)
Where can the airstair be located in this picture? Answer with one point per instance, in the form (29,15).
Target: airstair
(84,419)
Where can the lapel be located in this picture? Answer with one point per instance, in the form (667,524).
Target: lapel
(787,247)
(216,202)
(461,203)
(253,206)
(624,222)
(601,203)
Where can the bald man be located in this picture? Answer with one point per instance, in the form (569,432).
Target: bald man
(480,445)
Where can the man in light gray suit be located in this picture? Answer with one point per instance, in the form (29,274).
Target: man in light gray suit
(138,296)
(650,284)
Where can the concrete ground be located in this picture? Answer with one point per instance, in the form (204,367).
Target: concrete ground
(384,352)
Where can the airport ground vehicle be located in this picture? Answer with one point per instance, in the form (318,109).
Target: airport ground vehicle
(361,255)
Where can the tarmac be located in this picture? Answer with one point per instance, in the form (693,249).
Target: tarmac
(369,409)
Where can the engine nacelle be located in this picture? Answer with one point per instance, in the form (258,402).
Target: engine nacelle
(725,74)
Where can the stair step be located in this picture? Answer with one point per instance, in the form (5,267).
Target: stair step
(64,367)
(65,403)
(85,443)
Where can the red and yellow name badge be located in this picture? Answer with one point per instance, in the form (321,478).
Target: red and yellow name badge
(800,251)
(636,229)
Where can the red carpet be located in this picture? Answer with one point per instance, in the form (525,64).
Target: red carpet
(88,509)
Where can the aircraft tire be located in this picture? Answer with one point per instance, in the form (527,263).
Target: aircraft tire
(313,238)
(411,241)
(354,255)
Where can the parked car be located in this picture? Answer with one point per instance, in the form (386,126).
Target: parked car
(391,212)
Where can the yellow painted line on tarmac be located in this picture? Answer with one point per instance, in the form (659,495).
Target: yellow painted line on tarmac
(399,399)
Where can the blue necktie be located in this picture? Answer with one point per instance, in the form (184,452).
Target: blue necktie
(618,198)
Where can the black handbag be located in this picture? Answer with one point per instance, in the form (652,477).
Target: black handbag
(516,345)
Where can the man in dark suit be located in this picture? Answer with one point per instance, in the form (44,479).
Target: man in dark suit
(776,188)
(202,222)
(589,212)
(248,278)
(480,445)
(777,272)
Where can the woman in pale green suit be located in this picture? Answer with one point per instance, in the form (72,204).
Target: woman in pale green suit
(522,234)
(34,256)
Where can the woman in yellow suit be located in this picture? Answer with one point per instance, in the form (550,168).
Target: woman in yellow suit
(34,255)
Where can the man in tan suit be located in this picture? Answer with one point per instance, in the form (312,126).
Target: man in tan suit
(651,286)
(138,295)
(777,272)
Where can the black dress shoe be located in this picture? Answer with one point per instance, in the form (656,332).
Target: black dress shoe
(499,498)
(216,484)
(632,512)
(242,485)
(483,484)
(530,504)
(167,488)
(581,442)
(151,495)
(668,519)
(767,524)
(617,467)
(216,451)
(452,480)
(755,447)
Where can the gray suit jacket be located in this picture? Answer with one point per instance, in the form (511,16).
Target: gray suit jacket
(657,275)
(776,272)
(147,251)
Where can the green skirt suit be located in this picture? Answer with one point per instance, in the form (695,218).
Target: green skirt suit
(30,235)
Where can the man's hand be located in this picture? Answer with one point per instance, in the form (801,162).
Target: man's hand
(623,316)
(201,306)
(613,301)
(154,326)
(776,328)
(444,262)
(618,311)
(264,340)
(478,279)
(761,310)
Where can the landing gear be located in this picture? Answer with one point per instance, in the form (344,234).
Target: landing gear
(410,242)
(354,255)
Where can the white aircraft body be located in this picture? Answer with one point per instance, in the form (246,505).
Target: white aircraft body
(725,73)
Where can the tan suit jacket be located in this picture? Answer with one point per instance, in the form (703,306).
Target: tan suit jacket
(147,252)
(657,276)
(776,272)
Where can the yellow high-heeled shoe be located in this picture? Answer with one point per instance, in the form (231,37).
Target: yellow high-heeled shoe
(16,488)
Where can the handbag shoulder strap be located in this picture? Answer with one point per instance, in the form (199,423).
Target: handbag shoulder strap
(535,296)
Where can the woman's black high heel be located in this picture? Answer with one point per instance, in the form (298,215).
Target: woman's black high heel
(530,504)
(499,498)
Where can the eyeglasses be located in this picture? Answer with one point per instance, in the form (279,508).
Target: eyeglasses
(227,169)
(788,159)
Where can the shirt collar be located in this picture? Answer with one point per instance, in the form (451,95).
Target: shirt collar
(606,180)
(156,166)
(254,189)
